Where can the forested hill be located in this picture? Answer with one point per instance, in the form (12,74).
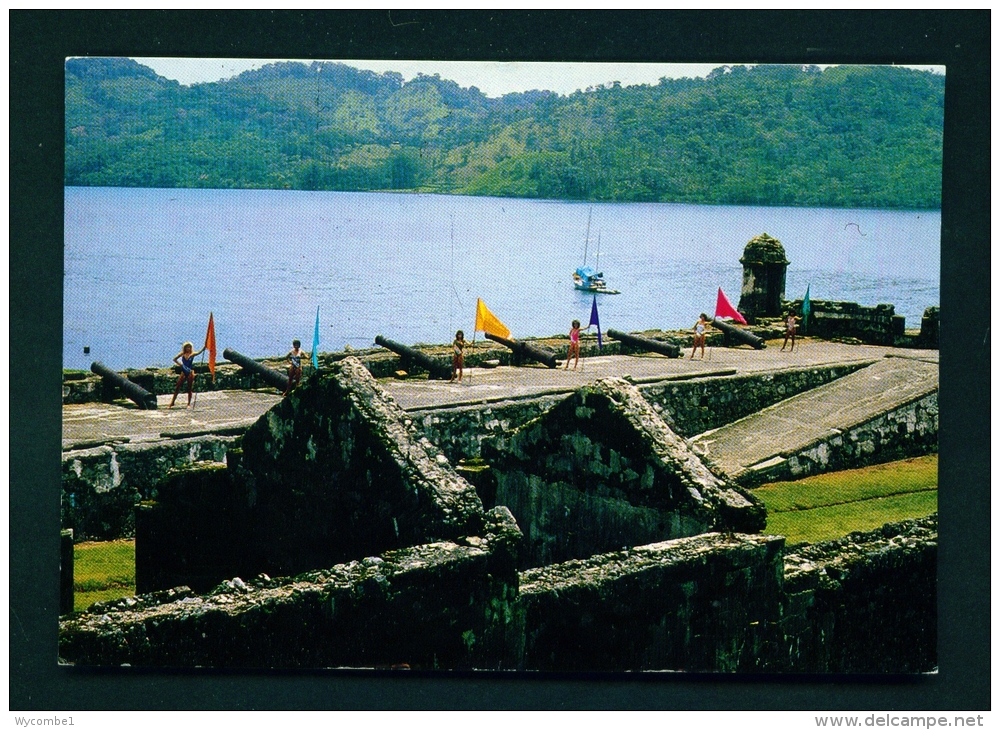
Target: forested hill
(848,136)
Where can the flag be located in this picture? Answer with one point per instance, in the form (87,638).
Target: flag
(806,307)
(315,361)
(486,321)
(724,309)
(210,345)
(594,321)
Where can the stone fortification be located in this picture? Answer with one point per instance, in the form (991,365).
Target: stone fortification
(601,470)
(878,325)
(708,603)
(101,483)
(437,605)
(332,473)
(697,604)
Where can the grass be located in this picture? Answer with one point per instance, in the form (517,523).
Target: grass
(829,506)
(102,571)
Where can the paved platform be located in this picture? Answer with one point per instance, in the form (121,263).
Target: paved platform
(794,424)
(233,411)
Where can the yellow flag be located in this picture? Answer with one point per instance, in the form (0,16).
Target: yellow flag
(486,321)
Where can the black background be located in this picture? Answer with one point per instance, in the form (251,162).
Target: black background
(41,40)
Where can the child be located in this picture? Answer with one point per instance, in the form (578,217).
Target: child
(789,332)
(574,344)
(185,358)
(458,356)
(294,358)
(699,335)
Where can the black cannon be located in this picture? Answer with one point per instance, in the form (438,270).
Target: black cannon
(643,343)
(732,332)
(136,393)
(268,375)
(436,370)
(522,351)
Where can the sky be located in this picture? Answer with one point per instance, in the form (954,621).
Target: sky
(493,78)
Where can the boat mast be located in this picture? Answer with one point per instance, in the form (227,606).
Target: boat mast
(597,263)
(586,241)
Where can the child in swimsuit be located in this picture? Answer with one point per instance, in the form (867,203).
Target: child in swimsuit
(699,335)
(789,332)
(458,356)
(185,359)
(574,344)
(294,358)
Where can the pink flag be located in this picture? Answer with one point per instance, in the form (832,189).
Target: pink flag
(724,309)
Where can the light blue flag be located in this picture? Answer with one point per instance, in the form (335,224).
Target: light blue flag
(316,341)
(805,309)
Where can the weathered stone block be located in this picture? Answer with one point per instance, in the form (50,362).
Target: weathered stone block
(601,471)
(447,605)
(336,472)
(701,604)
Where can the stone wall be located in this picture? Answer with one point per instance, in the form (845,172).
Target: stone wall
(698,604)
(709,603)
(866,603)
(438,605)
(100,485)
(863,604)
(878,325)
(601,470)
(689,407)
(910,430)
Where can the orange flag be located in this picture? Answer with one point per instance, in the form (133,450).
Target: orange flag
(486,321)
(210,345)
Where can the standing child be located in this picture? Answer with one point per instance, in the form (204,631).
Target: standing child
(790,328)
(574,344)
(458,356)
(700,333)
(294,358)
(185,358)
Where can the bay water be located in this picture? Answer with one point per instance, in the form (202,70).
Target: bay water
(144,267)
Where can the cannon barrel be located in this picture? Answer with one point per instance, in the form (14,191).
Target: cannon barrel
(268,375)
(741,336)
(134,392)
(436,370)
(644,343)
(523,350)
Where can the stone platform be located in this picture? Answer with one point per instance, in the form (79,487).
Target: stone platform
(224,412)
(893,400)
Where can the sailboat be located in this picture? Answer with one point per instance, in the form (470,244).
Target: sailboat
(587,279)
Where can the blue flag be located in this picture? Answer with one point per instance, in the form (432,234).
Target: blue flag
(805,309)
(595,321)
(316,341)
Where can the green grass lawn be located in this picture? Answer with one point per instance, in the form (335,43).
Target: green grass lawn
(829,506)
(102,571)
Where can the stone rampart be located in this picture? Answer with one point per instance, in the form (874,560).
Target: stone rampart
(906,431)
(878,325)
(437,605)
(101,484)
(710,603)
(698,604)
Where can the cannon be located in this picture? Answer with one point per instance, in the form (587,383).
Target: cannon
(436,370)
(136,393)
(523,350)
(643,343)
(269,376)
(742,336)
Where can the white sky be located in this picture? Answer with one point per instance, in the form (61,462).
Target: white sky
(493,78)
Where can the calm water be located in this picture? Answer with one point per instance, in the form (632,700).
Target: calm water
(145,267)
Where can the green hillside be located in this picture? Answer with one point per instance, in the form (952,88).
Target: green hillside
(849,136)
